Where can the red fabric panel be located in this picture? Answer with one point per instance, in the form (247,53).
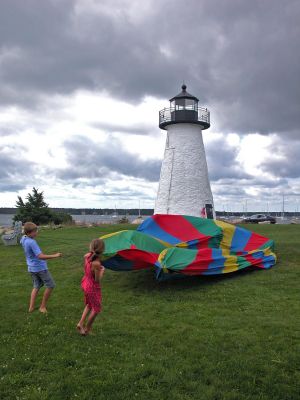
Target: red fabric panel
(203,258)
(255,242)
(140,259)
(179,227)
(257,262)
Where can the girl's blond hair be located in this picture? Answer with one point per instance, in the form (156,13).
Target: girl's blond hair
(97,247)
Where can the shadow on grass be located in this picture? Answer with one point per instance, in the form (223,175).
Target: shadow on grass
(145,281)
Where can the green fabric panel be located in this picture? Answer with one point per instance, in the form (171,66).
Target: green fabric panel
(178,258)
(268,244)
(209,228)
(125,239)
(242,262)
(205,226)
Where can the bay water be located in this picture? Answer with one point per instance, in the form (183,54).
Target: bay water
(6,219)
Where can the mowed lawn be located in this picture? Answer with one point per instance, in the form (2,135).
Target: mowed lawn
(230,337)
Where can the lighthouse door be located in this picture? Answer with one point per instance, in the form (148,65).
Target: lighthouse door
(209,211)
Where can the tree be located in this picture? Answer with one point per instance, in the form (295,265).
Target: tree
(36,210)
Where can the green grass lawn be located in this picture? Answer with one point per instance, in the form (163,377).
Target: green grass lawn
(229,337)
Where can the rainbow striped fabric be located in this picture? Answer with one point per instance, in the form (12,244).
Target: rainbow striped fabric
(180,244)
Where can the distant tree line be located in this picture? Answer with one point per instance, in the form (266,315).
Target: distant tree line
(106,211)
(88,211)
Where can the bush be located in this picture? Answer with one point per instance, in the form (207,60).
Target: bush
(62,218)
(36,210)
(123,220)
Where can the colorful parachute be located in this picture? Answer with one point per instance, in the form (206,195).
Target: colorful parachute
(180,244)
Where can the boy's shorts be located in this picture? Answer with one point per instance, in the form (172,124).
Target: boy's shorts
(42,278)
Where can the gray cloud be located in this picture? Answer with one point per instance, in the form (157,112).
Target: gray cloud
(230,191)
(231,182)
(133,130)
(93,161)
(242,60)
(15,171)
(222,161)
(109,160)
(124,193)
(8,130)
(284,160)
(94,164)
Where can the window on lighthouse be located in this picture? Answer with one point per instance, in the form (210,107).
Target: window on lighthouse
(180,104)
(190,104)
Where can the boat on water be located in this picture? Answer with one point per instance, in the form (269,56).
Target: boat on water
(139,219)
(115,214)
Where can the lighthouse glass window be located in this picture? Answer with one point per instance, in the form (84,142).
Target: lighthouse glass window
(190,104)
(180,104)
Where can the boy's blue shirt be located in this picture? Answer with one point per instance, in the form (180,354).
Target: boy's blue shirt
(32,250)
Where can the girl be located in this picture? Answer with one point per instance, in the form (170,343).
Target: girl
(90,284)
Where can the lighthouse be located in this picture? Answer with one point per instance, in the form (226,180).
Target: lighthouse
(184,186)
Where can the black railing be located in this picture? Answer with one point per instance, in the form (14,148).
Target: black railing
(198,115)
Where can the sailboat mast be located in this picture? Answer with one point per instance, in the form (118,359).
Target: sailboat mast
(282,214)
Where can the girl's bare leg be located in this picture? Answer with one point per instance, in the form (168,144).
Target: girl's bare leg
(46,296)
(90,321)
(80,325)
(33,296)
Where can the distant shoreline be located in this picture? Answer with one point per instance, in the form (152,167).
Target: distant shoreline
(145,212)
(6,220)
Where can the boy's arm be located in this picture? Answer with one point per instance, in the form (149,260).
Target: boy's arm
(99,270)
(43,256)
(39,254)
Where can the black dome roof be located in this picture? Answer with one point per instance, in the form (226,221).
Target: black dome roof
(184,95)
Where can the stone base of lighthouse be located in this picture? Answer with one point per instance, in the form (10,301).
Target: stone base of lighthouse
(184,186)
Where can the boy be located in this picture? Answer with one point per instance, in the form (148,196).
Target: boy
(37,266)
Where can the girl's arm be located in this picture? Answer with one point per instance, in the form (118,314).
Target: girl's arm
(98,270)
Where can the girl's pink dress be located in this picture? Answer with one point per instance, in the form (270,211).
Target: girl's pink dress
(91,288)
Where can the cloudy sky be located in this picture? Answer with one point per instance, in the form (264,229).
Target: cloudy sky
(81,84)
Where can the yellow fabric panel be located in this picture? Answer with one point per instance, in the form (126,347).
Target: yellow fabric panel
(228,232)
(230,264)
(112,234)
(161,257)
(164,243)
(183,244)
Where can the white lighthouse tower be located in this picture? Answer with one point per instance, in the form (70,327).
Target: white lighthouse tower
(184,186)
